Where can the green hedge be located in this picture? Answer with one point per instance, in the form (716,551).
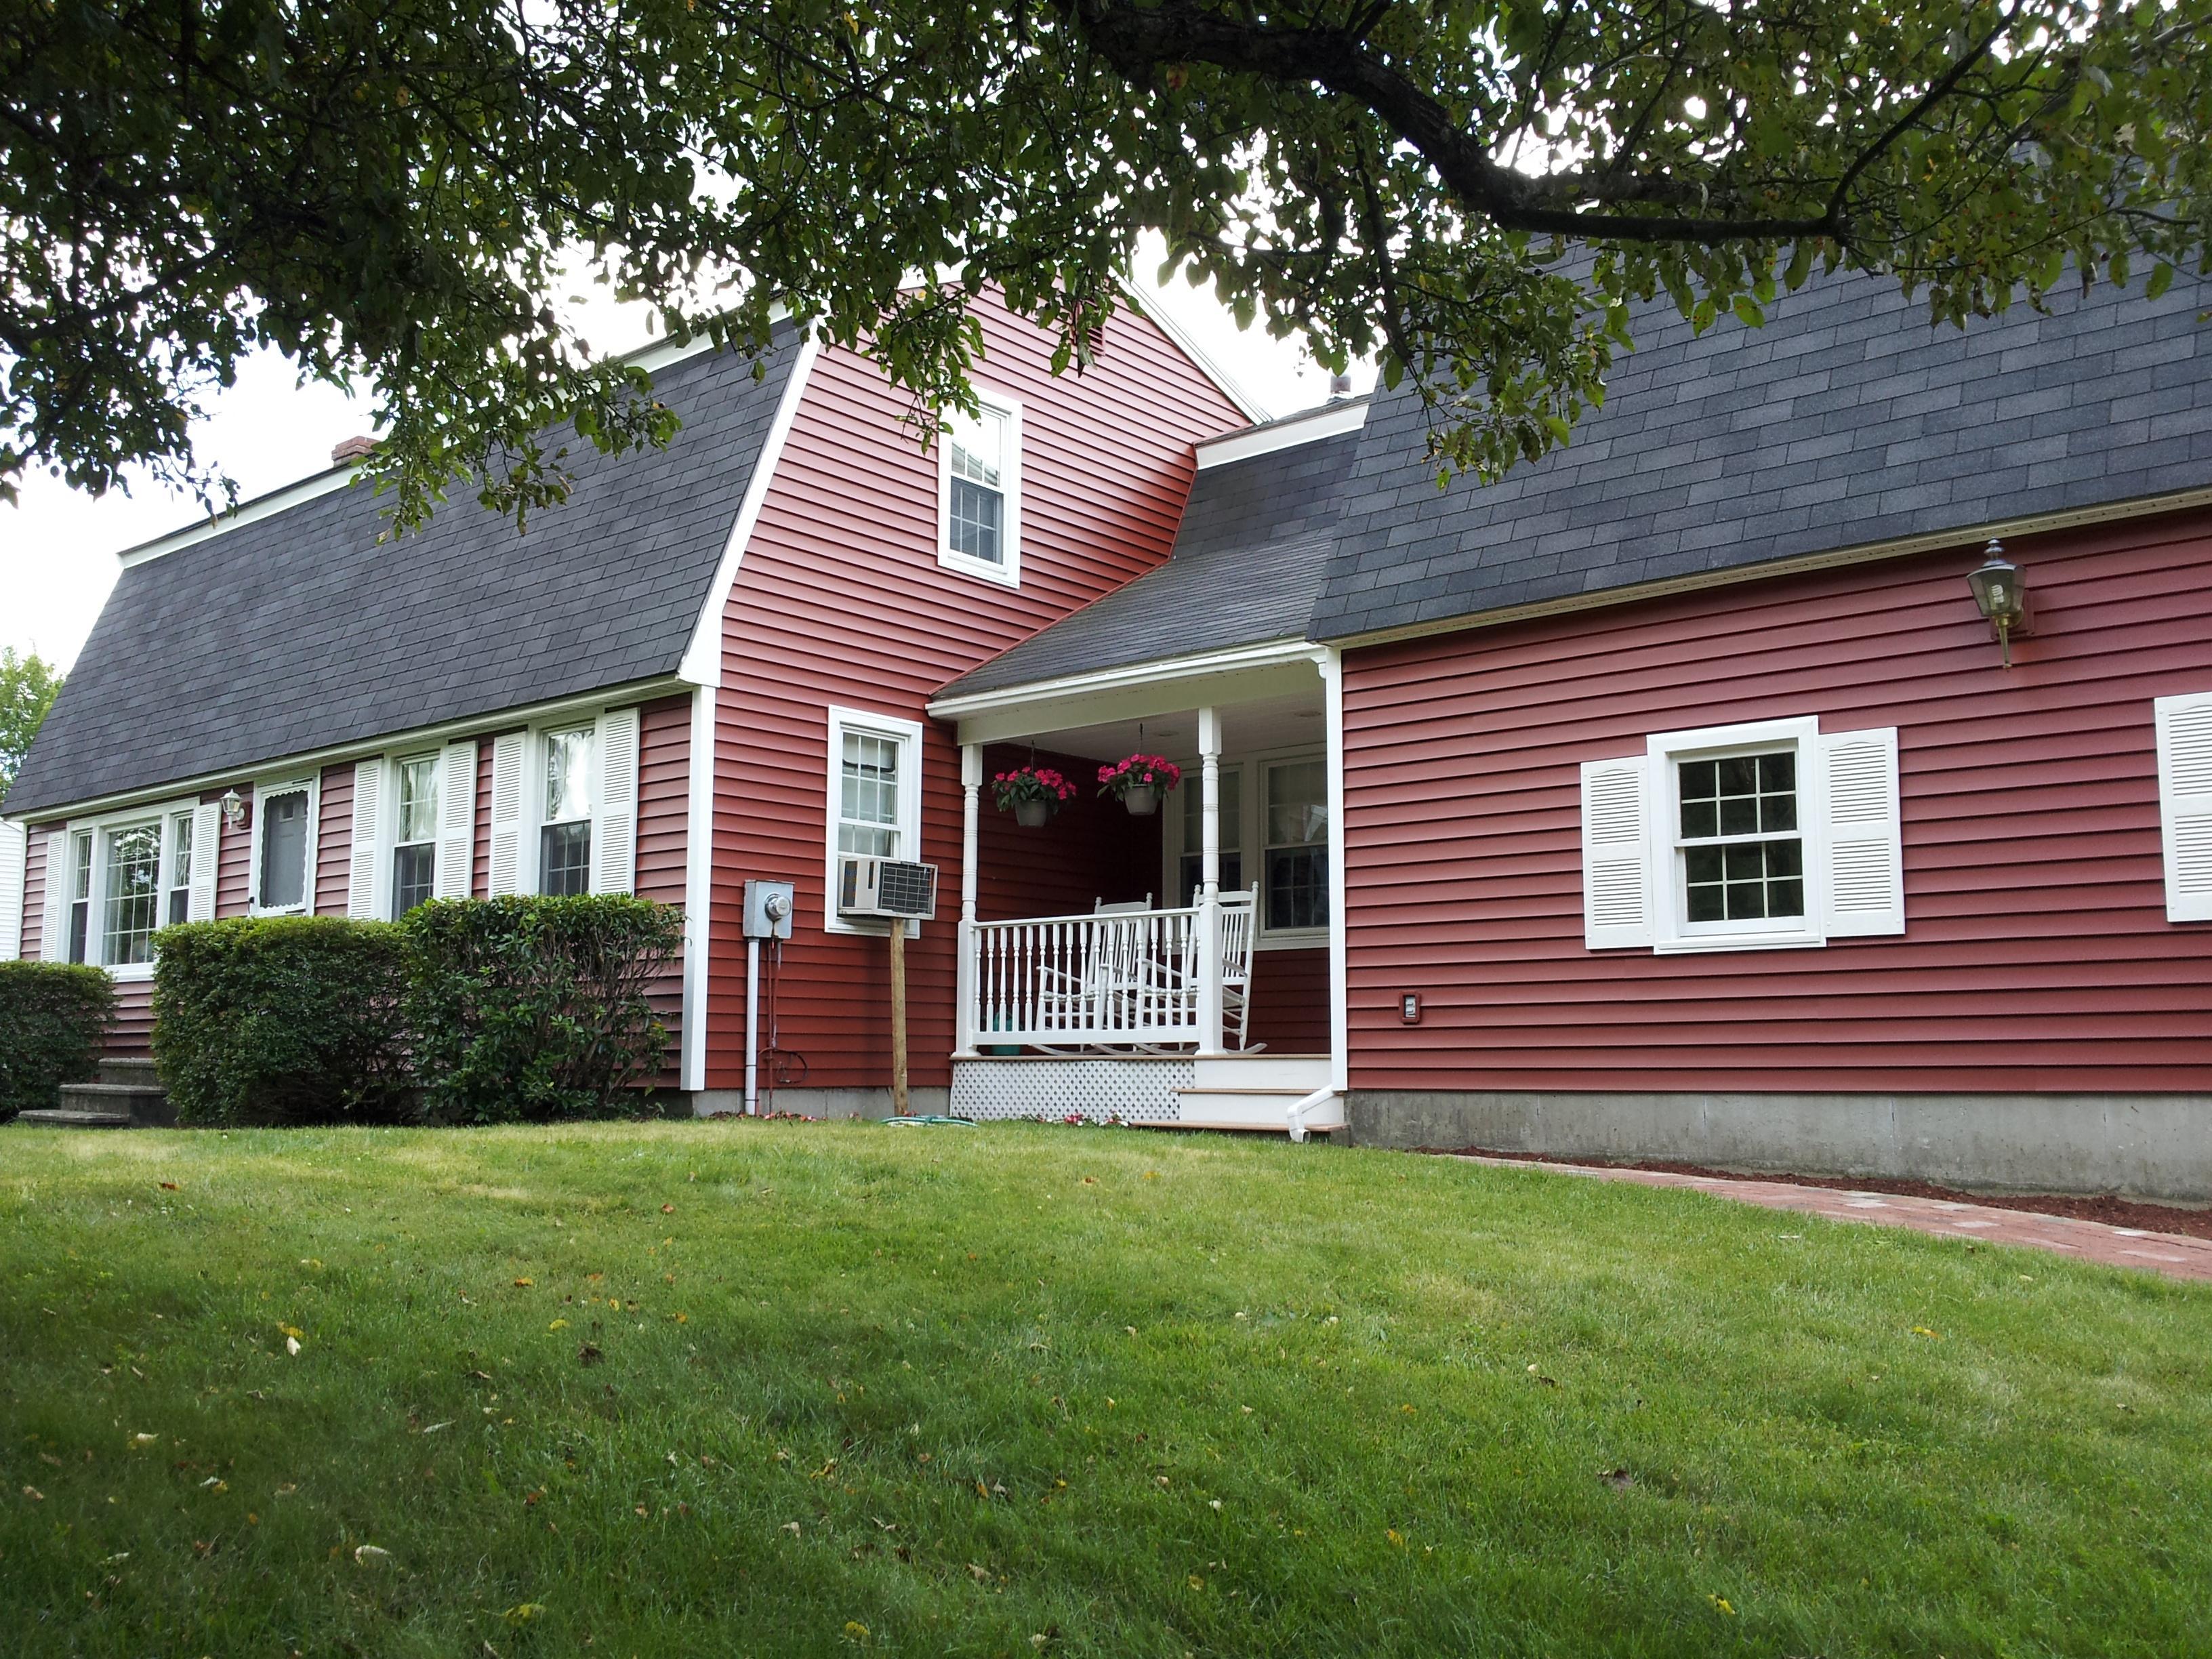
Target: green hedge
(53,1020)
(534,1010)
(283,1019)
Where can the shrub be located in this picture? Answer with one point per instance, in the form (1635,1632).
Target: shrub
(283,1019)
(53,1019)
(535,1009)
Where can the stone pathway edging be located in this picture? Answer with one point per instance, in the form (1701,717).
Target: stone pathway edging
(2174,1255)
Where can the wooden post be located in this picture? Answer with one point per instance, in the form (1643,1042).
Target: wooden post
(898,1017)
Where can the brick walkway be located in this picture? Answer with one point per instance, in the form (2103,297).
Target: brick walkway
(2174,1255)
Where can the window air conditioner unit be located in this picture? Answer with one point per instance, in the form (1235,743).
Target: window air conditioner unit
(886,887)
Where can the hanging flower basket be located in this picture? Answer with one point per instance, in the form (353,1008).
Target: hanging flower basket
(1032,793)
(1139,782)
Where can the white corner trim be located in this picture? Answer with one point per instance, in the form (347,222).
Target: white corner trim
(1309,426)
(1163,671)
(1153,309)
(247,512)
(702,658)
(698,888)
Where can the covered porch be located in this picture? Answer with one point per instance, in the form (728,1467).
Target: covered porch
(1180,967)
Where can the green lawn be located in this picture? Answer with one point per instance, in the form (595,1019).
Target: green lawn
(729,1388)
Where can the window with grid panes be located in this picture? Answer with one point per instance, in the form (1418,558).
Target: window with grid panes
(564,835)
(1741,853)
(1297,829)
(868,795)
(415,834)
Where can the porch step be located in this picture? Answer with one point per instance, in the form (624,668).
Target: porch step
(136,1070)
(1253,1108)
(145,1105)
(62,1117)
(1302,1073)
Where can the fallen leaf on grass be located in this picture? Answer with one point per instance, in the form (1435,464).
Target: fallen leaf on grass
(1618,1478)
(34,1494)
(434,1427)
(524,1285)
(168,1186)
(589,1355)
(792,1527)
(523,1612)
(668,1209)
(144,1439)
(367,1555)
(558,1325)
(981,1575)
(1921,1330)
(292,1346)
(1720,1606)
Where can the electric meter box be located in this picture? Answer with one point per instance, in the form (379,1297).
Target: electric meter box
(768,906)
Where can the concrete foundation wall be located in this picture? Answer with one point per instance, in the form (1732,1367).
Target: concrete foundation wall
(2143,1145)
(822,1102)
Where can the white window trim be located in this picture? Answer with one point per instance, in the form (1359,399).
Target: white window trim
(1009,574)
(311,783)
(96,934)
(906,733)
(1673,932)
(1252,823)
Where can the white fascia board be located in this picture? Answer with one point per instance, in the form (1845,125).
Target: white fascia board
(1965,538)
(702,658)
(1149,690)
(1346,415)
(1163,671)
(1156,313)
(503,720)
(261,507)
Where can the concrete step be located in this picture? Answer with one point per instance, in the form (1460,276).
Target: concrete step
(1301,1072)
(144,1105)
(52,1117)
(136,1070)
(1252,1109)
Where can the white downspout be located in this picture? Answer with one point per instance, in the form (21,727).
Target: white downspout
(752,1027)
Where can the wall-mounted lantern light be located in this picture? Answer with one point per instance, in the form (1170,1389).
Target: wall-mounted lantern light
(234,808)
(2001,592)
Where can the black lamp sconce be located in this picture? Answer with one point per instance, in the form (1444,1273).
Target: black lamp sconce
(2001,594)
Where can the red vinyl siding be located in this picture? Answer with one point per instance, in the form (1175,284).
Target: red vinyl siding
(840,599)
(334,840)
(2037,954)
(1289,1001)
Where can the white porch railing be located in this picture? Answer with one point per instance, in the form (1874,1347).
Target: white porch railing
(1123,979)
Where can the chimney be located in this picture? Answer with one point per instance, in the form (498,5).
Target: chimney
(353,449)
(1340,387)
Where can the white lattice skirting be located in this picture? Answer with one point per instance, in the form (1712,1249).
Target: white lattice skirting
(1137,1091)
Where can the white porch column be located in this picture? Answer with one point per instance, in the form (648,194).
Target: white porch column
(1339,968)
(964,978)
(1209,882)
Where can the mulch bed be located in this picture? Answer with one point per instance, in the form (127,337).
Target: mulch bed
(2112,1212)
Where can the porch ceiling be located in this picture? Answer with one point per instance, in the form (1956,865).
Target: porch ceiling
(1277,722)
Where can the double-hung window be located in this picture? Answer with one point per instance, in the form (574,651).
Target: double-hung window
(1229,800)
(1296,830)
(414,833)
(178,882)
(284,847)
(979,489)
(874,797)
(130,894)
(1766,835)
(80,895)
(564,833)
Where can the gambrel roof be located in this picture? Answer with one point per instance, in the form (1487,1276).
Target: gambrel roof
(299,631)
(1848,422)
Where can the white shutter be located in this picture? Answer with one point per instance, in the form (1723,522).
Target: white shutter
(1866,859)
(457,820)
(2184,724)
(506,752)
(614,802)
(367,821)
(1616,861)
(207,854)
(53,943)
(15,856)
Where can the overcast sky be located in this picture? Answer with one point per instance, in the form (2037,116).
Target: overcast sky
(58,547)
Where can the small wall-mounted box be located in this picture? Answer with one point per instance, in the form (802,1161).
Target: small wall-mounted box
(1409,1008)
(769,905)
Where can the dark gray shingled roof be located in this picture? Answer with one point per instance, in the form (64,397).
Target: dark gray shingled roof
(298,632)
(1247,561)
(1846,422)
